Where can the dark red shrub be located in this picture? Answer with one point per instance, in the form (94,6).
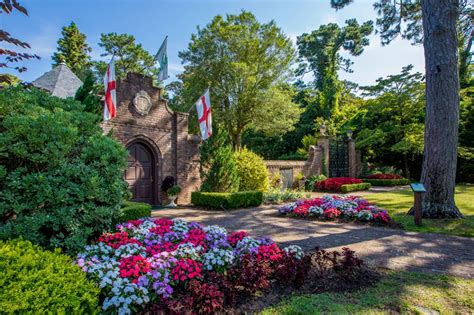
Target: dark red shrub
(335,183)
(250,276)
(207,298)
(291,270)
(384,176)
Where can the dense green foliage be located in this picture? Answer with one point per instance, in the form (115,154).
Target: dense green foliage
(35,281)
(392,121)
(218,166)
(129,56)
(319,52)
(224,201)
(277,195)
(88,93)
(355,187)
(60,177)
(73,50)
(251,170)
(134,210)
(387,182)
(247,64)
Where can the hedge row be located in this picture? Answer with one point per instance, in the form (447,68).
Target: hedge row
(387,182)
(37,281)
(134,210)
(355,187)
(227,200)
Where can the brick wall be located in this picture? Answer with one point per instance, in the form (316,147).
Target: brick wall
(163,131)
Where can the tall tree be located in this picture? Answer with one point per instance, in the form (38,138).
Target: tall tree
(440,41)
(129,56)
(320,53)
(245,63)
(9,56)
(73,50)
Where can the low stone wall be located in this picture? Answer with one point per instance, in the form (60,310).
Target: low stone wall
(288,169)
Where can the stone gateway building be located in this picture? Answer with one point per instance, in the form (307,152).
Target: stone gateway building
(157,139)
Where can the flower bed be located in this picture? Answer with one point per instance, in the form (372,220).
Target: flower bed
(347,208)
(175,266)
(335,183)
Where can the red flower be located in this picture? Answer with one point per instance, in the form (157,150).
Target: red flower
(302,210)
(186,269)
(115,240)
(335,183)
(197,237)
(269,252)
(235,237)
(161,247)
(133,267)
(331,213)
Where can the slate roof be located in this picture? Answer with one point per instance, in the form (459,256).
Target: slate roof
(60,82)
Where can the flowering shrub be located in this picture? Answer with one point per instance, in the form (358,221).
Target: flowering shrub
(331,207)
(384,176)
(177,266)
(335,183)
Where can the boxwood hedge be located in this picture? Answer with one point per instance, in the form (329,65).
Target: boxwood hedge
(218,200)
(355,187)
(387,182)
(134,210)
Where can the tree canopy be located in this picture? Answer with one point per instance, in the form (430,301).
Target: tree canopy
(129,56)
(73,50)
(246,63)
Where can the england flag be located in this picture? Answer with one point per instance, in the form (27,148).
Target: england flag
(203,107)
(110,104)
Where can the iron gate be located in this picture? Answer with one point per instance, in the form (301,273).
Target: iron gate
(338,158)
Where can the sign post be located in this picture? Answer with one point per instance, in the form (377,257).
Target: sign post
(419,190)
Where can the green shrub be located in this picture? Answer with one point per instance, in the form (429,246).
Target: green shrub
(276,195)
(218,200)
(36,281)
(134,210)
(174,190)
(252,171)
(387,182)
(60,178)
(218,166)
(310,181)
(355,187)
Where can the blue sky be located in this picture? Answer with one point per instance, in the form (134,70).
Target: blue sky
(149,21)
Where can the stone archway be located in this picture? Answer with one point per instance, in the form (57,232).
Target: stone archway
(143,172)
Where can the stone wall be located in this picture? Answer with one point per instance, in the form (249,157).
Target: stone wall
(165,132)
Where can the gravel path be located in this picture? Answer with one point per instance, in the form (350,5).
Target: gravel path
(382,247)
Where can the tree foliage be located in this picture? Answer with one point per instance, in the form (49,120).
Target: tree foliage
(320,53)
(129,56)
(9,56)
(88,93)
(392,120)
(245,63)
(252,171)
(73,50)
(60,178)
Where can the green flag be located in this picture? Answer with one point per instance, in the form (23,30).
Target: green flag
(162,57)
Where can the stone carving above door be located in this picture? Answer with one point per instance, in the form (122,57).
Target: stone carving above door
(142,103)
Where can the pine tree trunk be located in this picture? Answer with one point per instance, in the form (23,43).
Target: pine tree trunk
(442,108)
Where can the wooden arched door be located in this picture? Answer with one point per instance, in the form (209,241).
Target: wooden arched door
(140,174)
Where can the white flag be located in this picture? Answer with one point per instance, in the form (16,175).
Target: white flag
(203,106)
(110,104)
(162,57)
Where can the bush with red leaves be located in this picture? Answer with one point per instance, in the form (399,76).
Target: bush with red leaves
(335,183)
(291,270)
(384,176)
(251,275)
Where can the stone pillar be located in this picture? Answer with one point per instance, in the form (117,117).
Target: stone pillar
(323,144)
(352,158)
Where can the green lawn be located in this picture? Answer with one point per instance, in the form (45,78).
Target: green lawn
(399,202)
(398,292)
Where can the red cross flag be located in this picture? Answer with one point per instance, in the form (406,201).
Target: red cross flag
(203,107)
(110,105)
